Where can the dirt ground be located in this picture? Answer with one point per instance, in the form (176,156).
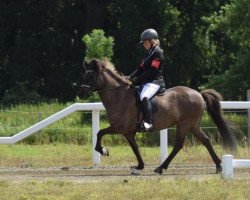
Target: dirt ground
(83,174)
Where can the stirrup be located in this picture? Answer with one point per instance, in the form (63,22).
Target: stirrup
(146,126)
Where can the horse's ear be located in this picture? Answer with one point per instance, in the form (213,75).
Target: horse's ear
(85,66)
(95,64)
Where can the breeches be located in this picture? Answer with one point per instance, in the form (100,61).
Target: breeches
(149,90)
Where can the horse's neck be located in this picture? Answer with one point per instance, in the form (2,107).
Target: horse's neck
(117,97)
(116,90)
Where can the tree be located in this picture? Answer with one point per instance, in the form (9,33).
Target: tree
(98,46)
(188,55)
(182,33)
(233,22)
(41,49)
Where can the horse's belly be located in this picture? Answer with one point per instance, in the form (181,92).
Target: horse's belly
(178,105)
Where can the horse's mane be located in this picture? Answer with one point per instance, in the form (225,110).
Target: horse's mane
(110,68)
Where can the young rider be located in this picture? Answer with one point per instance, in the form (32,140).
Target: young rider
(149,74)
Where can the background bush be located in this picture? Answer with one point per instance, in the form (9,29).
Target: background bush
(98,46)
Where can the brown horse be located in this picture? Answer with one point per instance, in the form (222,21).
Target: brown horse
(180,105)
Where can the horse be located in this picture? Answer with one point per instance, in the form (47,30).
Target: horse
(180,106)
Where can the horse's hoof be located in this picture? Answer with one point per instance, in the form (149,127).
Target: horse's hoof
(105,151)
(218,169)
(136,172)
(158,170)
(137,167)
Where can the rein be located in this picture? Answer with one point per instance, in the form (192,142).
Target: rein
(92,89)
(110,89)
(104,90)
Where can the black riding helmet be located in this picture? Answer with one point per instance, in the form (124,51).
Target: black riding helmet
(149,34)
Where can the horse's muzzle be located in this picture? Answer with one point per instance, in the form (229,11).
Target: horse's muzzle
(84,91)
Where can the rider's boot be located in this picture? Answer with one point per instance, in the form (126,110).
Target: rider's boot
(147,123)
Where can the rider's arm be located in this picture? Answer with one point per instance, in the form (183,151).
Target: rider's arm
(135,73)
(155,63)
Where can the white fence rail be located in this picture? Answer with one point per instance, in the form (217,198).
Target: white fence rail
(96,108)
(228,164)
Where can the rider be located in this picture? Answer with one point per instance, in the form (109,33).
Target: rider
(149,74)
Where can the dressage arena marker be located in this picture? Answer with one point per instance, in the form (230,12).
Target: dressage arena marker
(228,163)
(96,108)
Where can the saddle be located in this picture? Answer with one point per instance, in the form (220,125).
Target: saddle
(162,91)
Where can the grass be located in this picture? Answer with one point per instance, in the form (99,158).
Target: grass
(139,187)
(70,129)
(77,155)
(133,188)
(44,155)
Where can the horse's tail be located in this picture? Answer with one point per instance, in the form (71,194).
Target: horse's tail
(226,128)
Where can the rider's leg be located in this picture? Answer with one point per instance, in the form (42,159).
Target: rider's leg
(147,123)
(147,92)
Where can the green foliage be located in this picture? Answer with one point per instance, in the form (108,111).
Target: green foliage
(42,51)
(233,23)
(234,19)
(19,94)
(160,15)
(98,46)
(41,55)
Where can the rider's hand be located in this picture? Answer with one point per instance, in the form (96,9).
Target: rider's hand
(128,77)
(135,81)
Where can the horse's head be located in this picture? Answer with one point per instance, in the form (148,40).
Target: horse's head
(89,80)
(100,76)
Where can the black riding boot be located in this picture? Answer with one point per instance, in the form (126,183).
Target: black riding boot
(147,124)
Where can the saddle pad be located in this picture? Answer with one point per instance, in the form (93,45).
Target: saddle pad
(154,104)
(152,99)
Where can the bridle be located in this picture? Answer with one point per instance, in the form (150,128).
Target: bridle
(91,88)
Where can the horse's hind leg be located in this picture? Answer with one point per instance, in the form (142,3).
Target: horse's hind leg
(179,141)
(201,136)
(132,142)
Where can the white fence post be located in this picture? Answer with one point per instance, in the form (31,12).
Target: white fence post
(95,128)
(164,144)
(227,167)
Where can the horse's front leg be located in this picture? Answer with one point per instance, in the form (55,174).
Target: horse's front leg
(102,150)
